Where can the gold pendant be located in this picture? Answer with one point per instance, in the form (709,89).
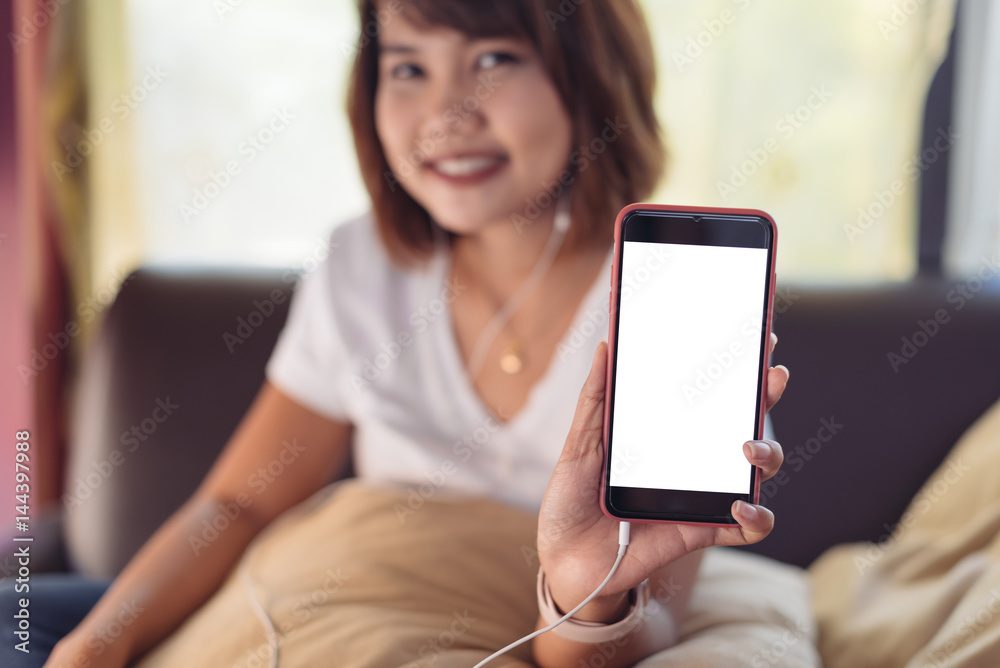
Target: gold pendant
(512,357)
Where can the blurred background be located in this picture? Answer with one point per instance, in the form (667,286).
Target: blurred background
(854,123)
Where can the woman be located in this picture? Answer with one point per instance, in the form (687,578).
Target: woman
(473,127)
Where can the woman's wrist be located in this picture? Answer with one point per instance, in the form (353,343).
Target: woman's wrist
(563,585)
(601,620)
(79,648)
(604,609)
(90,639)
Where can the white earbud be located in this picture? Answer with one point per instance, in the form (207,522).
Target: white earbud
(562,219)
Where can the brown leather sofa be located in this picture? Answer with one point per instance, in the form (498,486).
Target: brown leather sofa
(883,381)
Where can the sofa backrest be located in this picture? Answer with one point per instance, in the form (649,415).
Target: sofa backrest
(178,359)
(883,381)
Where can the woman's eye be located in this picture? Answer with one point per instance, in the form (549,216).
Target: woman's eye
(495,58)
(404,71)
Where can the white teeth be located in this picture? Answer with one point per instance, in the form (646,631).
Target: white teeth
(464,166)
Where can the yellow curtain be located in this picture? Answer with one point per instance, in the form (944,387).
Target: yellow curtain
(809,110)
(88,149)
(65,171)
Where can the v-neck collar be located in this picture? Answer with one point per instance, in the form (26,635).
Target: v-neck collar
(474,405)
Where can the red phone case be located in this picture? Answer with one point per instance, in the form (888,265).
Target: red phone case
(613,309)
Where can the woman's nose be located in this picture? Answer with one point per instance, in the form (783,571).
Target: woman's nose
(454,109)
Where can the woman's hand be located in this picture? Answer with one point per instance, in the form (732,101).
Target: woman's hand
(577,543)
(77,649)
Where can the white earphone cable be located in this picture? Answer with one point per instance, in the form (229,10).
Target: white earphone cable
(258,609)
(560,226)
(623,538)
(311,505)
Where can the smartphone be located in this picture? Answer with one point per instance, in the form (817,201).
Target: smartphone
(690,319)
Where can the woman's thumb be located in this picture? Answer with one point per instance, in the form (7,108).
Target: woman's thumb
(586,433)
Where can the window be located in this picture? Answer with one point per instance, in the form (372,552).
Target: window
(810,111)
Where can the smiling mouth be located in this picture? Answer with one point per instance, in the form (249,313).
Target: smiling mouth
(467,169)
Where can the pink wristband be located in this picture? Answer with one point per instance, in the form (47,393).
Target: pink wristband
(591,632)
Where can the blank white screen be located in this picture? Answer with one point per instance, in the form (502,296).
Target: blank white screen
(688,359)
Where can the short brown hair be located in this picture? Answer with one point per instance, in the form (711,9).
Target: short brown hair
(599,56)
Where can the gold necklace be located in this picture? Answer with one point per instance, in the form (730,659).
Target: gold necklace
(513,354)
(513,357)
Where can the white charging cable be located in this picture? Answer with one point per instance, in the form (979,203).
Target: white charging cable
(623,536)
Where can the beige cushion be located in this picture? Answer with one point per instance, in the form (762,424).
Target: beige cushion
(746,610)
(929,593)
(351,579)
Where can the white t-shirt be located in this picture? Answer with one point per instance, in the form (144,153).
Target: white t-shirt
(371,344)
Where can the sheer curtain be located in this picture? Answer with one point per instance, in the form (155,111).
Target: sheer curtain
(973,235)
(811,111)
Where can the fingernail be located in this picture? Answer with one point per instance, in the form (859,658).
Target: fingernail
(747,510)
(756,449)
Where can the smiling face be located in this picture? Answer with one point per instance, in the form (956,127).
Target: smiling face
(471,128)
